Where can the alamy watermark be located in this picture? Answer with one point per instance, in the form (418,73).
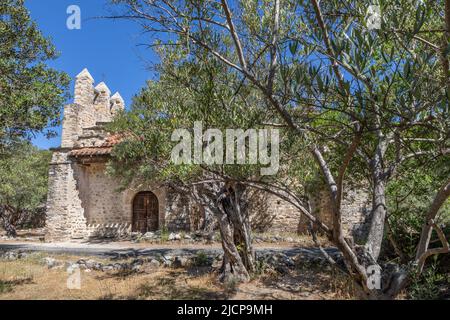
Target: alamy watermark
(252,146)
(374,277)
(74,20)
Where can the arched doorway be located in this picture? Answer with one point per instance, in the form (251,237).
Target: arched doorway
(145,212)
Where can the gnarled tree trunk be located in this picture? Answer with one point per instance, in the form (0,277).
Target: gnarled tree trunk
(227,203)
(6,223)
(235,230)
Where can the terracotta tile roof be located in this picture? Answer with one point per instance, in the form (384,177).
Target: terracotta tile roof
(104,149)
(90,151)
(112,140)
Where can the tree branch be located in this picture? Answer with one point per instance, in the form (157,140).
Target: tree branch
(327,42)
(234,34)
(273,48)
(425,236)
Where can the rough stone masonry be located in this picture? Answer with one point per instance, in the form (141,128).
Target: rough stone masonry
(83,201)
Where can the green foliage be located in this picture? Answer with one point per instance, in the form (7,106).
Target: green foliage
(335,79)
(31,93)
(201,259)
(23,181)
(5,286)
(391,85)
(164,234)
(186,93)
(409,197)
(428,285)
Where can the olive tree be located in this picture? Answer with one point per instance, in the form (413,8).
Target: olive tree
(31,94)
(371,95)
(23,187)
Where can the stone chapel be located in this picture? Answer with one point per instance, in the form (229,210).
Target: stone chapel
(84,201)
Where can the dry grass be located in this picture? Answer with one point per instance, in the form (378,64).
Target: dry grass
(30,279)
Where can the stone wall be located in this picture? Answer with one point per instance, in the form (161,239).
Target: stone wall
(85,202)
(65,213)
(178,211)
(91,137)
(104,204)
(356,208)
(57,206)
(270,213)
(70,126)
(357,205)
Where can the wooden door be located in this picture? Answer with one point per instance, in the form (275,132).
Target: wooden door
(145,212)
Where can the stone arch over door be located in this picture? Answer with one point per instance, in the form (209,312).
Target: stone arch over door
(145,212)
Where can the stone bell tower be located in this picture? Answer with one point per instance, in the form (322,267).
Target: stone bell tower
(91,105)
(81,126)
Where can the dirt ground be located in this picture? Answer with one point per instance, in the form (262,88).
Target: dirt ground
(30,278)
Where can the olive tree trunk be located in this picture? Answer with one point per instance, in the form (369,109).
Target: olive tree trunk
(227,203)
(239,258)
(5,215)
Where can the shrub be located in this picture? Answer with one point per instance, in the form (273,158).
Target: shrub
(427,286)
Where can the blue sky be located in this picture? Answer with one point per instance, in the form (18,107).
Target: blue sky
(108,48)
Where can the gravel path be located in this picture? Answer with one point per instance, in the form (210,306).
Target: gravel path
(122,250)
